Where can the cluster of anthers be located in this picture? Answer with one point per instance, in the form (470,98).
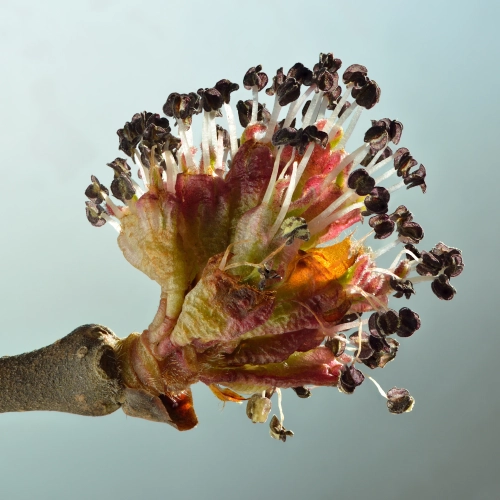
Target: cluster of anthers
(247,239)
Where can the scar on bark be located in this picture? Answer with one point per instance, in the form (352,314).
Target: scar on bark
(79,374)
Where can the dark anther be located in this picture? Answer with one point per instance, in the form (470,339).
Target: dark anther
(378,137)
(350,379)
(408,231)
(366,349)
(245,112)
(302,392)
(325,80)
(278,80)
(356,74)
(211,99)
(288,92)
(377,202)
(369,157)
(431,264)
(286,88)
(368,95)
(295,227)
(302,74)
(409,322)
(379,344)
(402,287)
(394,128)
(94,191)
(416,178)
(284,136)
(277,430)
(222,132)
(333,98)
(120,166)
(442,288)
(182,107)
(382,225)
(254,77)
(268,275)
(346,106)
(451,258)
(337,344)
(381,358)
(414,250)
(122,188)
(328,62)
(225,87)
(403,162)
(361,181)
(349,318)
(441,259)
(94,214)
(316,136)
(385,323)
(399,400)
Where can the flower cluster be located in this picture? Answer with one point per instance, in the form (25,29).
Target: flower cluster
(248,238)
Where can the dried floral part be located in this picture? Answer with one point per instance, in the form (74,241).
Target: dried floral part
(277,431)
(302,392)
(350,379)
(95,214)
(254,77)
(399,401)
(95,192)
(258,408)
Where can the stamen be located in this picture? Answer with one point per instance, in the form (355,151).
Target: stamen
(355,157)
(305,159)
(255,103)
(384,271)
(171,171)
(338,108)
(422,279)
(273,121)
(397,186)
(395,262)
(385,248)
(274,174)
(313,109)
(186,146)
(287,166)
(292,111)
(385,176)
(345,326)
(318,224)
(205,144)
(280,408)
(377,385)
(113,223)
(373,166)
(231,129)
(372,299)
(360,331)
(322,109)
(352,124)
(116,211)
(144,172)
(286,203)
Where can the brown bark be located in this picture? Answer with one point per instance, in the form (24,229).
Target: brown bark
(78,374)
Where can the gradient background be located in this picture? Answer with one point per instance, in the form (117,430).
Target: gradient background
(74,72)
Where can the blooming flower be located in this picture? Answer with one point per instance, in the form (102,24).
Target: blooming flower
(248,239)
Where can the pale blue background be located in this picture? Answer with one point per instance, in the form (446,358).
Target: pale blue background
(73,72)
